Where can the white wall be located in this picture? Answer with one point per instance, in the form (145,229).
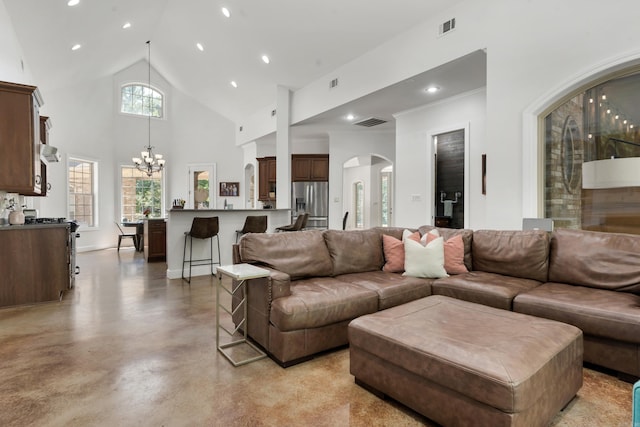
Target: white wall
(413,170)
(532,48)
(12,67)
(87,124)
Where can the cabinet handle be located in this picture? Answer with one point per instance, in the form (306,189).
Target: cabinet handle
(48,186)
(38,179)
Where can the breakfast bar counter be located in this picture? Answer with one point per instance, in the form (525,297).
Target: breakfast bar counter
(179,221)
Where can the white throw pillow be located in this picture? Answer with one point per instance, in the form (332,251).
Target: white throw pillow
(424,261)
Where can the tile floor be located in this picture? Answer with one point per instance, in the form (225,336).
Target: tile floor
(128,347)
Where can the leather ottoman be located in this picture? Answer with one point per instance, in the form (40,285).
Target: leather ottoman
(460,363)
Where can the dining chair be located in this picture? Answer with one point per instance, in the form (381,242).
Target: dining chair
(133,236)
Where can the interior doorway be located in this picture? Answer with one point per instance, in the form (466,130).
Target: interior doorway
(450,153)
(367,192)
(201,186)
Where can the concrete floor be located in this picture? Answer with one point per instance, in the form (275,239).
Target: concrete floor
(129,347)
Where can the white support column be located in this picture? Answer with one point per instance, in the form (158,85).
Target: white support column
(283,148)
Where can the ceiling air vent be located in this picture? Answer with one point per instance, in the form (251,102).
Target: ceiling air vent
(447,27)
(333,83)
(370,122)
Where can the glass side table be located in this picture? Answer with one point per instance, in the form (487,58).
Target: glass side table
(240,273)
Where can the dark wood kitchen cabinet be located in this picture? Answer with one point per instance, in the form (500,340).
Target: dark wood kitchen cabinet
(35,265)
(155,240)
(20,165)
(309,167)
(266,178)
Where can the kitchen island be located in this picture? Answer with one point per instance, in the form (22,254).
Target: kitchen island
(35,263)
(179,221)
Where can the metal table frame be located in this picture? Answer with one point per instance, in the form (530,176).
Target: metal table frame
(241,273)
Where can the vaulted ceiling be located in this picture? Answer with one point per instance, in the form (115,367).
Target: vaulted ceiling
(304,40)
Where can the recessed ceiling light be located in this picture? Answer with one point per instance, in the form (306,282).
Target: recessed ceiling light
(351,117)
(76,46)
(432,89)
(226,12)
(265,59)
(73,2)
(126,25)
(200,47)
(233,83)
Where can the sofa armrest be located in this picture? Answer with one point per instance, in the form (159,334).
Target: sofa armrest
(260,295)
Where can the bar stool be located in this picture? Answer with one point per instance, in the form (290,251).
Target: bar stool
(253,224)
(201,228)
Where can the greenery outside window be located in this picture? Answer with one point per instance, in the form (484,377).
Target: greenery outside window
(358,191)
(142,195)
(82,191)
(385,193)
(142,100)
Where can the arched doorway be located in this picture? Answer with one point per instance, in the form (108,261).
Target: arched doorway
(368,191)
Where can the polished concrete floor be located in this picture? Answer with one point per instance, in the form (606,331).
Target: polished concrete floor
(128,347)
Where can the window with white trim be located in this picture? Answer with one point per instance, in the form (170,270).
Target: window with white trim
(82,191)
(142,100)
(141,194)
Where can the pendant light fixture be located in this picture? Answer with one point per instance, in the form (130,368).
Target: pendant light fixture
(149,162)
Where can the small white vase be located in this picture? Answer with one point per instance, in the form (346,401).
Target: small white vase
(16,218)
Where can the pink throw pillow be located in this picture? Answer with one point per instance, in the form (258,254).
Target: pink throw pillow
(454,256)
(453,252)
(393,254)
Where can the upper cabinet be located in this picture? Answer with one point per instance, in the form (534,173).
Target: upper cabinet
(309,167)
(20,165)
(266,179)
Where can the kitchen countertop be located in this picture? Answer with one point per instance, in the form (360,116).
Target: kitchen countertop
(7,227)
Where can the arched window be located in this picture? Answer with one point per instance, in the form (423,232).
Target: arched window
(601,123)
(141,100)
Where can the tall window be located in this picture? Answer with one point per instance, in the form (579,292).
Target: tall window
(142,100)
(358,192)
(141,194)
(385,196)
(82,191)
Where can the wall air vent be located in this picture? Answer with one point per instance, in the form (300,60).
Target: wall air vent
(241,128)
(370,122)
(446,27)
(333,83)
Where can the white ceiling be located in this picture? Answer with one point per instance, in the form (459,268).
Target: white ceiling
(304,39)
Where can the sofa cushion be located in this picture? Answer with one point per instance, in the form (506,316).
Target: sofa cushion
(522,254)
(321,301)
(494,290)
(354,251)
(392,289)
(595,259)
(299,254)
(612,315)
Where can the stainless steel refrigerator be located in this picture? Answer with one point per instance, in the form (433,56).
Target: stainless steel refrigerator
(313,198)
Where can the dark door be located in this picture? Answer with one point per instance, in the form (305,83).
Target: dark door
(449,194)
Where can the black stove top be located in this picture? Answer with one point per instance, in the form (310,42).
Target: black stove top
(45,220)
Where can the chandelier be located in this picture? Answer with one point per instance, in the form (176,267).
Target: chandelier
(148,162)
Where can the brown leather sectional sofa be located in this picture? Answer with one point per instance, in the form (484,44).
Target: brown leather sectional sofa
(321,280)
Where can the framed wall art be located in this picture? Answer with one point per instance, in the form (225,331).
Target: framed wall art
(229,189)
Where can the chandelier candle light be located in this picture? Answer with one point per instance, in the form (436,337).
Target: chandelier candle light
(149,163)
